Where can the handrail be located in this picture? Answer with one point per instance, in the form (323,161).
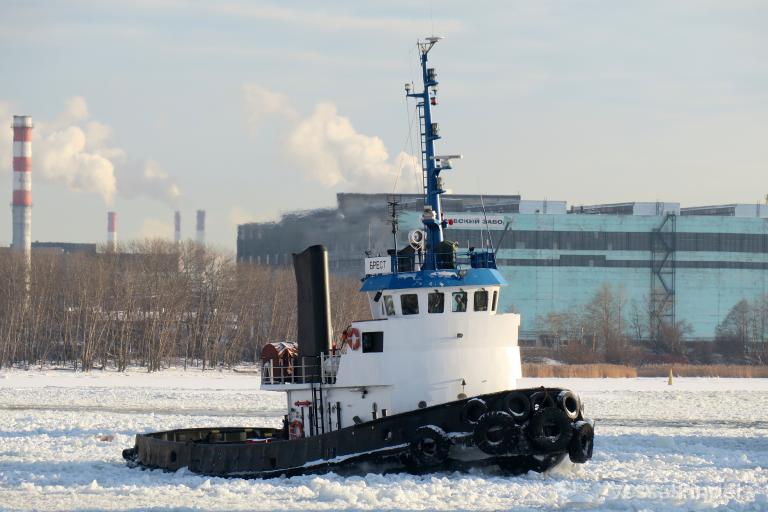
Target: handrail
(311,370)
(445,260)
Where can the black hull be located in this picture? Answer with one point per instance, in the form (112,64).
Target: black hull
(491,429)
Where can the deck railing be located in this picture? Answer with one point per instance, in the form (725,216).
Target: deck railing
(453,260)
(310,370)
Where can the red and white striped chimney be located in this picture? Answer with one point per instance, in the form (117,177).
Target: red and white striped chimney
(111,231)
(201,227)
(22,183)
(177,226)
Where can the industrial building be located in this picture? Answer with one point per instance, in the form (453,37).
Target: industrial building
(685,264)
(65,247)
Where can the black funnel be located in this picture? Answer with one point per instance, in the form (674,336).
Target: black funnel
(313,301)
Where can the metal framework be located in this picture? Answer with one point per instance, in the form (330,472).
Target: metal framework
(430,163)
(663,248)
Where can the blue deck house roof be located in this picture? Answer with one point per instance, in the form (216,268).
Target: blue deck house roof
(434,279)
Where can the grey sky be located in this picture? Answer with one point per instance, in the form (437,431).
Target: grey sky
(584,101)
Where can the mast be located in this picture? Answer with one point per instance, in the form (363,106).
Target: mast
(431,165)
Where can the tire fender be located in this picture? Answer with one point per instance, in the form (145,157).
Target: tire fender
(550,430)
(473,410)
(496,433)
(570,403)
(582,442)
(517,405)
(430,446)
(541,400)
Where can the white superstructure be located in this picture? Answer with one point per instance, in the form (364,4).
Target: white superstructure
(423,347)
(436,335)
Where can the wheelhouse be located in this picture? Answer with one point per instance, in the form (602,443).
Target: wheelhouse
(412,303)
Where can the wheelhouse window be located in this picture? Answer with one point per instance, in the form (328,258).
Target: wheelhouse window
(495,298)
(436,302)
(373,342)
(389,305)
(481,300)
(459,302)
(409,302)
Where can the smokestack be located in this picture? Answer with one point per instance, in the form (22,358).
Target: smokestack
(111,231)
(313,303)
(22,183)
(177,226)
(201,227)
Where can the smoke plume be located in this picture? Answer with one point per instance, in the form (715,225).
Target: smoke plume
(261,102)
(326,146)
(77,152)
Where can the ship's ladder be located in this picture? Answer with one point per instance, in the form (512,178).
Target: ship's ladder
(317,420)
(423,143)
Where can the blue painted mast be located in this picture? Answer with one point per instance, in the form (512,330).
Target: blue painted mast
(431,164)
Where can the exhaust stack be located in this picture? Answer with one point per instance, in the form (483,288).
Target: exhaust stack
(201,227)
(177,226)
(22,184)
(111,231)
(313,302)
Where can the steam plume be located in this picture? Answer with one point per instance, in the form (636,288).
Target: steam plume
(326,146)
(77,152)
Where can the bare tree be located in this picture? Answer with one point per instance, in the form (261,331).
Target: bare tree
(150,303)
(732,335)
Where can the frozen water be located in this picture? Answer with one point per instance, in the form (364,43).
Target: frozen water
(699,444)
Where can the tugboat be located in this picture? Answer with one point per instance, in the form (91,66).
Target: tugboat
(429,383)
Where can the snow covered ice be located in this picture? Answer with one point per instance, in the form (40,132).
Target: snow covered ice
(699,444)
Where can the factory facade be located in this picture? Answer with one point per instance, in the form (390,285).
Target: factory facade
(680,264)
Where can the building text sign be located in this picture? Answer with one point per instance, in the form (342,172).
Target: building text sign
(475,221)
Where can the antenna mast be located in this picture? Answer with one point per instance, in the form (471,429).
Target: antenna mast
(393,209)
(431,165)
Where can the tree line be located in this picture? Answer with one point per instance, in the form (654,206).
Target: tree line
(151,303)
(611,329)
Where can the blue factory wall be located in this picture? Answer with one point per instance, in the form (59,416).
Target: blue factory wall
(555,263)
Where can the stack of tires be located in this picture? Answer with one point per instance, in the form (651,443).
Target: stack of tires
(531,424)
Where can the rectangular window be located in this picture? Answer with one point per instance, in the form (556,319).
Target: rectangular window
(389,305)
(481,300)
(409,302)
(436,302)
(373,342)
(495,298)
(459,302)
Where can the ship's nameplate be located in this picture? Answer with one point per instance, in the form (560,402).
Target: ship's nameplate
(381,265)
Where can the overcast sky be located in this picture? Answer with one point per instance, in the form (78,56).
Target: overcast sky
(248,109)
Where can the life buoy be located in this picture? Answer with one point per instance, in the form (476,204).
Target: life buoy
(352,337)
(296,430)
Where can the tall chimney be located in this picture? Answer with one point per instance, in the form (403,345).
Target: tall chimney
(22,183)
(177,226)
(111,231)
(201,227)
